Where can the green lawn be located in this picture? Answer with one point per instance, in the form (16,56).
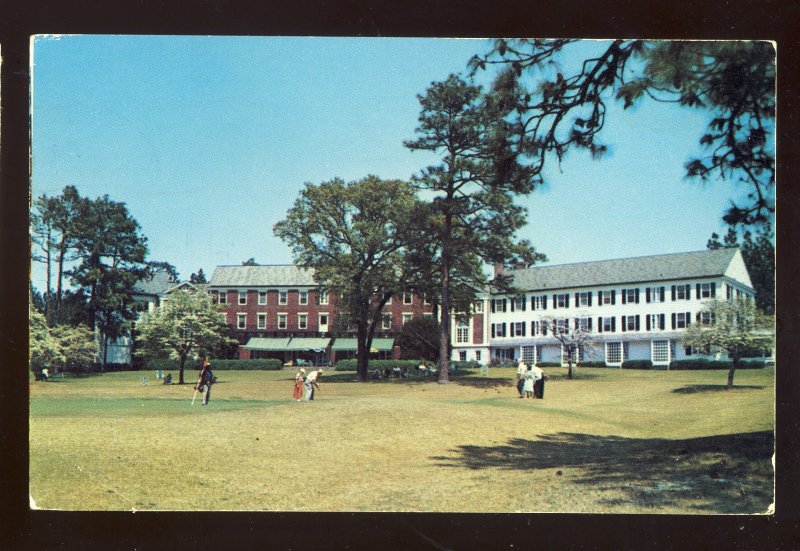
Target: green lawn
(608,441)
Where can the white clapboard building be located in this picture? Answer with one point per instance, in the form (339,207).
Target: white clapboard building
(635,308)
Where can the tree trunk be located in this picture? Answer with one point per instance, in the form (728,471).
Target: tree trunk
(569,370)
(444,335)
(105,354)
(180,372)
(731,372)
(362,352)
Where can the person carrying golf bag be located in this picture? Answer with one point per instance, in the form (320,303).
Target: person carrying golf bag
(205,381)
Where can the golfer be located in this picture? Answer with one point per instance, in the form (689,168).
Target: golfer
(538,385)
(311,382)
(298,384)
(205,381)
(521,369)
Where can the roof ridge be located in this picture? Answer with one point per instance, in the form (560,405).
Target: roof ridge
(622,258)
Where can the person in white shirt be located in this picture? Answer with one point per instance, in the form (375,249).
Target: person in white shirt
(521,369)
(311,382)
(538,385)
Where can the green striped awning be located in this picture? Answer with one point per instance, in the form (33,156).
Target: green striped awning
(306,343)
(351,344)
(264,343)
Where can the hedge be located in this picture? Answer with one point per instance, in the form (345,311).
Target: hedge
(271,364)
(701,364)
(637,364)
(351,364)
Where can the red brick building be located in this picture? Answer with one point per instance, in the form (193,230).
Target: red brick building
(279,311)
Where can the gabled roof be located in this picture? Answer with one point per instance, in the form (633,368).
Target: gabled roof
(158,284)
(283,275)
(665,267)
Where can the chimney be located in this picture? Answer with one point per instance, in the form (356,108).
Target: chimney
(499,269)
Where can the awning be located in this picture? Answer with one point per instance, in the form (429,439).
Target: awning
(264,343)
(305,343)
(352,344)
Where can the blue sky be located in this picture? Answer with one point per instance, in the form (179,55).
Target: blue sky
(208,141)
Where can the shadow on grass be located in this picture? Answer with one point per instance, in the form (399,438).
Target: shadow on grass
(720,474)
(694,389)
(478,382)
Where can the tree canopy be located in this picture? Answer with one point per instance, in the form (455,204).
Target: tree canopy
(733,81)
(355,236)
(735,326)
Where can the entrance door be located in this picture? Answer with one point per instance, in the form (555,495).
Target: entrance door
(323,323)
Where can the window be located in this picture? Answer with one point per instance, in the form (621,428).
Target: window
(560,326)
(705,318)
(607,324)
(427,302)
(408,298)
(614,353)
(242,297)
(302,321)
(477,355)
(323,297)
(386,321)
(630,296)
(478,307)
(498,330)
(660,352)
(654,294)
(388,302)
(518,329)
(462,331)
(584,324)
(518,304)
(535,328)
(407,317)
(680,292)
(583,299)
(262,321)
(654,322)
(539,302)
(561,300)
(606,297)
(222,297)
(706,290)
(498,305)
(529,355)
(281,321)
(728,292)
(262,297)
(577,354)
(630,323)
(241,321)
(680,320)
(283,297)
(303,297)
(323,322)
(462,355)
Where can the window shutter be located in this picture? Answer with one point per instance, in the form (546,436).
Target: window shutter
(697,317)
(661,294)
(576,323)
(504,304)
(661,321)
(688,292)
(647,295)
(688,318)
(713,290)
(504,329)
(673,320)
(533,304)
(555,302)
(624,325)
(637,322)
(544,328)
(599,325)
(493,309)
(613,297)
(512,305)
(624,296)
(697,288)
(544,302)
(577,301)
(673,292)
(599,298)
(523,304)
(614,324)
(590,298)
(637,295)
(589,323)
(523,328)
(492,330)
(647,323)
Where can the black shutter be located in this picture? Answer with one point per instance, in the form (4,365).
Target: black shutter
(504,329)
(533,307)
(613,297)
(673,292)
(688,318)
(688,292)
(512,305)
(624,296)
(576,323)
(577,300)
(555,302)
(647,295)
(523,303)
(544,328)
(637,295)
(523,329)
(589,323)
(713,290)
(624,325)
(661,294)
(697,317)
(637,322)
(512,330)
(673,320)
(697,288)
(599,298)
(614,324)
(493,308)
(647,322)
(599,325)
(544,302)
(661,321)
(590,298)
(492,330)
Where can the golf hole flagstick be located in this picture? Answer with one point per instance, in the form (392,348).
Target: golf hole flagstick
(195,394)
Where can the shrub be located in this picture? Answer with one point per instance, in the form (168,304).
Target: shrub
(351,364)
(637,364)
(271,364)
(702,363)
